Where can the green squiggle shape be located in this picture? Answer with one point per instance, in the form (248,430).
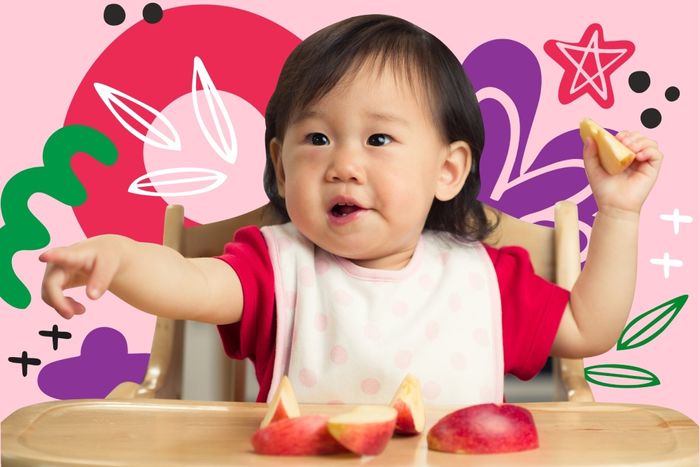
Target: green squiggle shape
(22,230)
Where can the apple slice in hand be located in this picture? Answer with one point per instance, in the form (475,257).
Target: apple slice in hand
(284,404)
(299,436)
(614,156)
(484,429)
(366,430)
(408,403)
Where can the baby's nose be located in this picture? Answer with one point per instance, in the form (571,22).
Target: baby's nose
(346,166)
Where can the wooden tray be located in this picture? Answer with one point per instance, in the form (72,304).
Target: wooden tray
(187,433)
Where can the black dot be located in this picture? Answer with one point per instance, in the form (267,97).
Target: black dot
(651,118)
(673,93)
(639,81)
(114,14)
(152,13)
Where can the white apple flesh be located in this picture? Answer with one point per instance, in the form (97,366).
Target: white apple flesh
(614,156)
(485,429)
(408,403)
(366,430)
(283,405)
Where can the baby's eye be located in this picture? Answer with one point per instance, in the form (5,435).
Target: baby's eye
(317,139)
(379,139)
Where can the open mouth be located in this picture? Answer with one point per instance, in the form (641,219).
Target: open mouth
(342,209)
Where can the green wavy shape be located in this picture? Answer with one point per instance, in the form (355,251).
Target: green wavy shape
(22,230)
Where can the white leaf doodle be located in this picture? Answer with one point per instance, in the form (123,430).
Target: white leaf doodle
(227,146)
(208,178)
(114,99)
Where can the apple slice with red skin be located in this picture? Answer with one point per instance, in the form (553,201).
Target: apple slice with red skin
(614,156)
(408,402)
(485,429)
(306,435)
(365,430)
(284,404)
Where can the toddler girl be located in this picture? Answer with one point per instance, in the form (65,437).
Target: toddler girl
(373,142)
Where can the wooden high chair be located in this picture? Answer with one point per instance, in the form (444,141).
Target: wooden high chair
(554,254)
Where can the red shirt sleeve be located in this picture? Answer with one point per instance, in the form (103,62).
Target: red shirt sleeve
(531,309)
(253,336)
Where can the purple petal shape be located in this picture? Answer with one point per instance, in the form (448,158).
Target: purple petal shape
(511,67)
(104,362)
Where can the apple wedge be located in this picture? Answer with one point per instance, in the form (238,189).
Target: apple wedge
(614,156)
(366,430)
(408,402)
(299,436)
(485,429)
(284,404)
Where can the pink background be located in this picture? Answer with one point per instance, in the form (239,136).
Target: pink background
(47,47)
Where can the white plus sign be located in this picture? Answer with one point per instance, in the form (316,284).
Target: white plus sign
(667,263)
(677,219)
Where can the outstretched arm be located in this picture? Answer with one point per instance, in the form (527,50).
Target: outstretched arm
(602,296)
(150,277)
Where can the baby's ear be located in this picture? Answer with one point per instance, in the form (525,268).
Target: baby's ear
(454,171)
(276,156)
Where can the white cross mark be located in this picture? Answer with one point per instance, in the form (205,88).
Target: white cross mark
(677,219)
(667,263)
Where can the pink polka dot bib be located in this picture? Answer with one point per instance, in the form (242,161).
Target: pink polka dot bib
(348,334)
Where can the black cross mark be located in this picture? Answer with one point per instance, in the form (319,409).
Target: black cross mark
(55,335)
(25,361)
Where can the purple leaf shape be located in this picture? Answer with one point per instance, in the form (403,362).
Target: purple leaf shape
(507,79)
(104,362)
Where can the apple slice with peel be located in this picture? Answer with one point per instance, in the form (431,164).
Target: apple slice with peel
(299,436)
(614,156)
(483,429)
(408,403)
(366,430)
(284,404)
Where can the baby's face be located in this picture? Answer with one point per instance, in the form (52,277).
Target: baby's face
(359,169)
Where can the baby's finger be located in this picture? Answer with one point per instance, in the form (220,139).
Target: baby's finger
(590,157)
(71,258)
(78,308)
(103,270)
(52,292)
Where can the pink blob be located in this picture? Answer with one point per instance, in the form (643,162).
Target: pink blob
(321,321)
(307,277)
(339,355)
(455,301)
(307,377)
(432,330)
(481,336)
(402,359)
(431,390)
(341,297)
(477,280)
(458,361)
(399,308)
(370,386)
(322,264)
(373,332)
(427,281)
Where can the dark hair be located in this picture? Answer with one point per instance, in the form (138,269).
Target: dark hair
(318,63)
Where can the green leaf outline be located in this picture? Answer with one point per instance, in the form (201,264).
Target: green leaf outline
(589,370)
(674,306)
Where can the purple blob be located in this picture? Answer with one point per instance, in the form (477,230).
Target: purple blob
(104,362)
(513,69)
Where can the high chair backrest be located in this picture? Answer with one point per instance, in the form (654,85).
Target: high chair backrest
(554,253)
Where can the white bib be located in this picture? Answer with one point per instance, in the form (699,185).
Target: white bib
(348,334)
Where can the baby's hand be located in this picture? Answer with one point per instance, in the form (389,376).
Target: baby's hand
(628,190)
(92,262)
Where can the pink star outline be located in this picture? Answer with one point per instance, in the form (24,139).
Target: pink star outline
(588,65)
